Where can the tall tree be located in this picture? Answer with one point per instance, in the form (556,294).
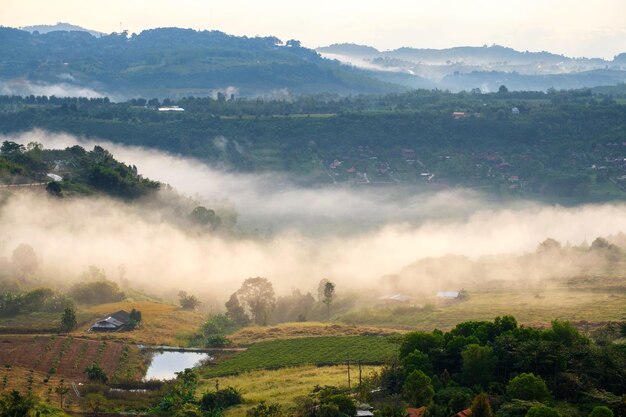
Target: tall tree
(258,295)
(68,319)
(481,407)
(235,312)
(329,294)
(418,389)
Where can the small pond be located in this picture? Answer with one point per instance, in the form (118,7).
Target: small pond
(165,364)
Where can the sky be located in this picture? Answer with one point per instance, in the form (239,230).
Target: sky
(572,27)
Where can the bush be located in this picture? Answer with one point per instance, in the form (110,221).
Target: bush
(265,410)
(528,387)
(95,373)
(220,399)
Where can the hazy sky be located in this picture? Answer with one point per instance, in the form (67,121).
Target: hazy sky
(573,27)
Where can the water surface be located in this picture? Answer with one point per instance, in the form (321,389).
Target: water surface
(164,365)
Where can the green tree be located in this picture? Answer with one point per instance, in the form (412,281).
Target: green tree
(14,404)
(479,364)
(417,361)
(481,407)
(542,411)
(61,389)
(601,411)
(502,89)
(96,373)
(235,311)
(68,319)
(418,389)
(528,387)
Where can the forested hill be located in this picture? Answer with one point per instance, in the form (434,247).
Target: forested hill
(553,145)
(71,171)
(172,62)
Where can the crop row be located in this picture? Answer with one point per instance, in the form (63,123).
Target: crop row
(307,351)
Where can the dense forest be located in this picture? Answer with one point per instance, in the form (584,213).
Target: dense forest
(562,144)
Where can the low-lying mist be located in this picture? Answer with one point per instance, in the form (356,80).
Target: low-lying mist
(353,237)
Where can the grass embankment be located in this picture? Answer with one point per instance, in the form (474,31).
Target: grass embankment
(307,351)
(256,334)
(526,307)
(282,386)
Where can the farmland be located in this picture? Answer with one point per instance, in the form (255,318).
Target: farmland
(307,351)
(67,356)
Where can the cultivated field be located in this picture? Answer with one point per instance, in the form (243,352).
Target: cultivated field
(67,356)
(326,350)
(282,386)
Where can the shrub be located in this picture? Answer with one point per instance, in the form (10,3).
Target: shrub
(265,410)
(221,399)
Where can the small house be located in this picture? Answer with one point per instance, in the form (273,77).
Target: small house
(113,323)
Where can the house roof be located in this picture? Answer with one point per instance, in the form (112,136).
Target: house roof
(121,316)
(415,412)
(465,413)
(115,320)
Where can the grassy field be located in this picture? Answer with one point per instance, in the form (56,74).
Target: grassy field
(162,324)
(306,351)
(282,386)
(528,309)
(256,334)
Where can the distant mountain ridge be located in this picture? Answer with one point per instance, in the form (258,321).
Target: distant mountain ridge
(483,67)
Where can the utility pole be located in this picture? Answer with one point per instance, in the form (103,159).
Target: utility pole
(360,375)
(348,372)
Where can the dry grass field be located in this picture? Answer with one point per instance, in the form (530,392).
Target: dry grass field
(256,334)
(162,324)
(528,308)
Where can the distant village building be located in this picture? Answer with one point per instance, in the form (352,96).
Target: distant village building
(396,298)
(171,108)
(458,114)
(113,323)
(515,110)
(451,295)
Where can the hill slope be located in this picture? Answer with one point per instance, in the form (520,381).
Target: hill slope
(172,62)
